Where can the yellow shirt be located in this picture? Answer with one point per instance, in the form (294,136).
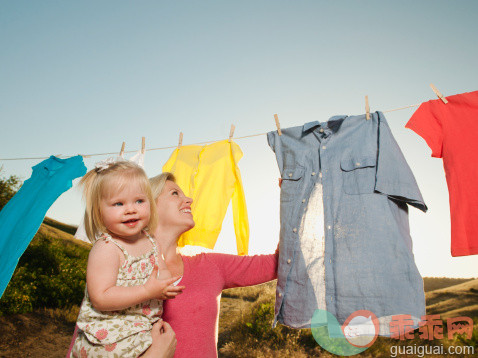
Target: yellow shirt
(210,176)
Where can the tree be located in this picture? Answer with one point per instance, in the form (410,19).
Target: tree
(8,188)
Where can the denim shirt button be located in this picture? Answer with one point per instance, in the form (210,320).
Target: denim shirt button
(288,261)
(280,294)
(324,147)
(320,175)
(290,174)
(294,229)
(313,173)
(329,227)
(303,200)
(321,130)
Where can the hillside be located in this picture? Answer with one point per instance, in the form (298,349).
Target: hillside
(69,229)
(454,301)
(56,261)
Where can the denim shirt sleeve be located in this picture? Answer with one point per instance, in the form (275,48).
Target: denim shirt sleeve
(394,177)
(277,148)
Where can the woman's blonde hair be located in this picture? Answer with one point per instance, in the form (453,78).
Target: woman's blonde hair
(157,183)
(101,182)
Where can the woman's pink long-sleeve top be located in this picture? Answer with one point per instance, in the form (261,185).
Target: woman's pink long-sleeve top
(194,314)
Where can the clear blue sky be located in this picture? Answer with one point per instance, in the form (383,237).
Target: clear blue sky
(82,77)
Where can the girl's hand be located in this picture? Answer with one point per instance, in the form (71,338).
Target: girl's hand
(162,289)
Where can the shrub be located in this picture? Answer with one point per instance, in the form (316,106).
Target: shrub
(8,188)
(254,330)
(50,274)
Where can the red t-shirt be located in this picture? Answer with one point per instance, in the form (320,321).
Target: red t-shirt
(451,131)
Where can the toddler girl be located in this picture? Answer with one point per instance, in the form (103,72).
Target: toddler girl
(124,286)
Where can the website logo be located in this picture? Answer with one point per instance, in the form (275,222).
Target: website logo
(361,328)
(359,331)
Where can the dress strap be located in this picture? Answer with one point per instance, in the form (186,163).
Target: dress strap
(155,247)
(107,237)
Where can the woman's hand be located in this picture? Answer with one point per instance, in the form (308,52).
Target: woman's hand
(162,289)
(164,339)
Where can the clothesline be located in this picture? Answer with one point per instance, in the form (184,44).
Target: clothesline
(175,146)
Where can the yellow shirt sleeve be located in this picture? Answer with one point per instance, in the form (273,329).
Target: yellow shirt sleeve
(241,221)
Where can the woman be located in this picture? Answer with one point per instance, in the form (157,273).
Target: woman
(194,314)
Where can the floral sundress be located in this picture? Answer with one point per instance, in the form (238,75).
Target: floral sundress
(125,333)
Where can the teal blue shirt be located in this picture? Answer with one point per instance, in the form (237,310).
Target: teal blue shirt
(21,218)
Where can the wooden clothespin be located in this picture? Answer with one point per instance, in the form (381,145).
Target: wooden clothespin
(437,92)
(276,117)
(231,132)
(367,108)
(143,140)
(121,153)
(180,143)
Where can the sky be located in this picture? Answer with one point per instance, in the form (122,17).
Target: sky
(82,77)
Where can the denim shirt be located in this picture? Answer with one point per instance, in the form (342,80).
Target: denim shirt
(365,184)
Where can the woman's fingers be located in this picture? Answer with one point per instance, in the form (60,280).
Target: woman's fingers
(167,328)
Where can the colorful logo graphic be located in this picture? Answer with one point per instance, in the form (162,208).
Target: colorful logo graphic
(359,331)
(361,328)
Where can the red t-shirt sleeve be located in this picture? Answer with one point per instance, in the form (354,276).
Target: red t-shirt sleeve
(426,123)
(238,271)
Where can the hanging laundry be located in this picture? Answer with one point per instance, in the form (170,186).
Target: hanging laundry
(138,158)
(210,176)
(80,233)
(24,213)
(451,131)
(344,235)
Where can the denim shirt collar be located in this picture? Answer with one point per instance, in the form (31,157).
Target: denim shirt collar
(333,124)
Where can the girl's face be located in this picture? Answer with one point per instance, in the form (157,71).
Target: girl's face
(174,208)
(125,212)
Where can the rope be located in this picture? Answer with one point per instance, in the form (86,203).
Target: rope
(174,146)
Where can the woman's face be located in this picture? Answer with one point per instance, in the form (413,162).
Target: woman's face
(174,208)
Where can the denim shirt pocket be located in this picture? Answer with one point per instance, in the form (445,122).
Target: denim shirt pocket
(358,173)
(291,181)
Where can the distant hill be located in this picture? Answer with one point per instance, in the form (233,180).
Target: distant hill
(70,229)
(454,301)
(58,230)
(435,283)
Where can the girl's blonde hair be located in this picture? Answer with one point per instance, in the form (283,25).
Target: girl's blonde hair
(101,182)
(157,183)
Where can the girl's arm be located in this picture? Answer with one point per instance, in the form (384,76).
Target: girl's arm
(101,273)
